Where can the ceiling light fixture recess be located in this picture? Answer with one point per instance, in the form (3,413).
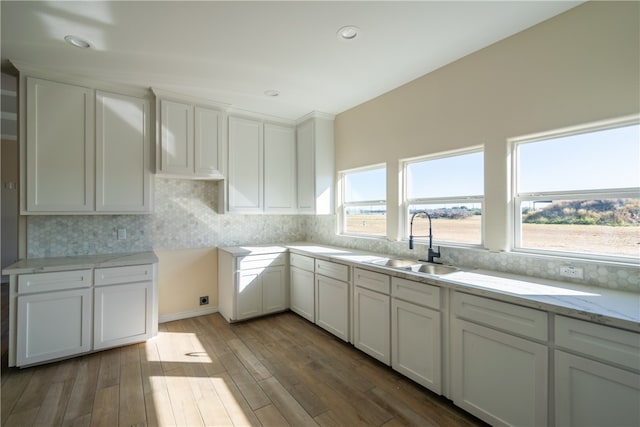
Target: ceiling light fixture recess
(77,42)
(348,32)
(271,92)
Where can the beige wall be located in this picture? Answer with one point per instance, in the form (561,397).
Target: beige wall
(183,276)
(578,67)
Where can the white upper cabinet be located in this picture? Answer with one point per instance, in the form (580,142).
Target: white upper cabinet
(262,167)
(245,165)
(176,138)
(122,153)
(315,164)
(279,168)
(83,151)
(190,136)
(59,147)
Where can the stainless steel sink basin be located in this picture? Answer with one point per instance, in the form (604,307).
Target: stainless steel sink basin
(396,263)
(416,266)
(436,269)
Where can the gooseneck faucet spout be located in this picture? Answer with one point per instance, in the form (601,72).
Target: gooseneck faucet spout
(431,254)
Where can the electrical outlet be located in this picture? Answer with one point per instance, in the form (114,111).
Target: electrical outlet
(122,234)
(204,300)
(572,272)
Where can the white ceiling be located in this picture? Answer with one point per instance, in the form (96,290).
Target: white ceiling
(232,52)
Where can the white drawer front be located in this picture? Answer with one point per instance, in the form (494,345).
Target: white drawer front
(261,261)
(416,292)
(128,274)
(603,342)
(55,281)
(332,269)
(301,261)
(371,280)
(500,315)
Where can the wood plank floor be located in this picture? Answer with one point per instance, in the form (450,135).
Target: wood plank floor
(275,371)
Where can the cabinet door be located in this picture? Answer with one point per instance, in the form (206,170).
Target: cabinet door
(53,325)
(176,138)
(371,327)
(500,378)
(279,169)
(416,343)
(60,147)
(208,142)
(332,306)
(306,167)
(122,154)
(245,165)
(274,289)
(302,293)
(249,294)
(122,314)
(589,393)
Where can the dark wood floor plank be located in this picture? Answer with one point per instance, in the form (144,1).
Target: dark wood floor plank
(274,371)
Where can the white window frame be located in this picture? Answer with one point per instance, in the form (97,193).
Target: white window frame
(520,198)
(342,227)
(406,202)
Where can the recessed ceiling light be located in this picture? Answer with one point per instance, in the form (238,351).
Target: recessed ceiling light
(77,42)
(349,32)
(272,92)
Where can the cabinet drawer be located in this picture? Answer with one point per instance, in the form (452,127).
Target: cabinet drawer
(261,261)
(500,315)
(332,269)
(128,274)
(54,281)
(371,280)
(301,261)
(416,292)
(603,342)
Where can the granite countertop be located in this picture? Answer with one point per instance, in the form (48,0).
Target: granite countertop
(602,305)
(43,265)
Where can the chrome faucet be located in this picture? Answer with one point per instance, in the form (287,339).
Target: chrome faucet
(431,254)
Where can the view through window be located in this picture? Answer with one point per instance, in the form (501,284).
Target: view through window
(364,201)
(450,188)
(580,192)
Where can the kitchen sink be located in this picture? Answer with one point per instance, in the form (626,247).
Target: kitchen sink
(415,266)
(396,263)
(436,269)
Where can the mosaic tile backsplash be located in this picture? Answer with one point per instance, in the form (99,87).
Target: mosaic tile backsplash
(186,216)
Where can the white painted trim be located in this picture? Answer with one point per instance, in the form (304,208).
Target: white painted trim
(163,318)
(175,96)
(315,115)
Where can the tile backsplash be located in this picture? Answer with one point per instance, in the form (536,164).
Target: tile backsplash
(322,230)
(186,216)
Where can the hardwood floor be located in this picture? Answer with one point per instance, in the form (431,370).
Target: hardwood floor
(274,371)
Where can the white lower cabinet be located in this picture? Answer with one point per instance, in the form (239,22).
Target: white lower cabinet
(302,293)
(53,325)
(371,314)
(332,298)
(66,313)
(591,391)
(261,291)
(252,285)
(416,334)
(496,376)
(122,314)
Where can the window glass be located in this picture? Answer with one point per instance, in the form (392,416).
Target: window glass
(602,159)
(580,193)
(450,188)
(364,202)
